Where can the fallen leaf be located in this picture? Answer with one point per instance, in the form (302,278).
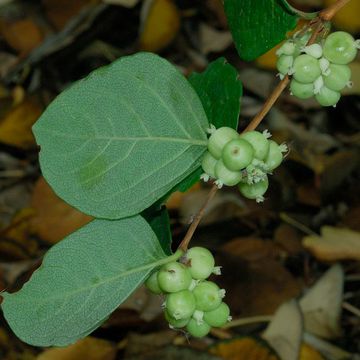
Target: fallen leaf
(321,305)
(125,3)
(54,219)
(309,353)
(334,244)
(89,348)
(160,23)
(355,78)
(213,40)
(60,12)
(285,331)
(22,35)
(245,348)
(15,127)
(176,199)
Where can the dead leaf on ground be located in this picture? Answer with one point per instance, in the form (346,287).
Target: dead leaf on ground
(160,23)
(309,353)
(15,127)
(176,199)
(22,35)
(285,331)
(89,348)
(213,40)
(334,244)
(60,12)
(54,219)
(125,3)
(321,305)
(245,348)
(260,286)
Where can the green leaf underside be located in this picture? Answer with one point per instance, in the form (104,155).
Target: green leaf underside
(257,26)
(220,91)
(118,140)
(82,280)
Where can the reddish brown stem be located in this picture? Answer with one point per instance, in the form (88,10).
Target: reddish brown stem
(185,242)
(328,13)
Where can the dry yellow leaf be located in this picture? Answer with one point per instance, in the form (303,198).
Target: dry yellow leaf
(245,348)
(15,127)
(175,200)
(334,244)
(160,24)
(347,18)
(54,219)
(269,59)
(309,353)
(89,348)
(22,35)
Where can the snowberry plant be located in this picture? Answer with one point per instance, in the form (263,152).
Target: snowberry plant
(116,144)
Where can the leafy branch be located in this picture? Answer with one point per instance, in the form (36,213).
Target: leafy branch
(317,26)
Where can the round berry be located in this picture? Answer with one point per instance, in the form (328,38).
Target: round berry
(259,142)
(339,76)
(174,277)
(300,90)
(340,48)
(201,262)
(219,316)
(306,69)
(226,176)
(284,64)
(327,97)
(152,283)
(275,156)
(198,329)
(180,305)
(208,164)
(208,296)
(254,191)
(219,139)
(175,323)
(237,154)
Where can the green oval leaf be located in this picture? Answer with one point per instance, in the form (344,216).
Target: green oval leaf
(257,26)
(118,140)
(82,280)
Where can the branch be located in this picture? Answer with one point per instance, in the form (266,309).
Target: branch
(318,27)
(328,13)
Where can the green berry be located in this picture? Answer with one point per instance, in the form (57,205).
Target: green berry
(254,191)
(208,296)
(340,48)
(259,142)
(288,48)
(327,97)
(300,90)
(201,262)
(226,176)
(306,69)
(284,64)
(198,329)
(208,164)
(237,154)
(180,305)
(173,277)
(175,323)
(275,156)
(219,316)
(219,139)
(338,77)
(152,283)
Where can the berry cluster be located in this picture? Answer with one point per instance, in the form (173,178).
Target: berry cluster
(244,160)
(191,300)
(318,70)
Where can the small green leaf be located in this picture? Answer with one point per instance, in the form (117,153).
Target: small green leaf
(82,280)
(117,141)
(220,91)
(257,26)
(158,219)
